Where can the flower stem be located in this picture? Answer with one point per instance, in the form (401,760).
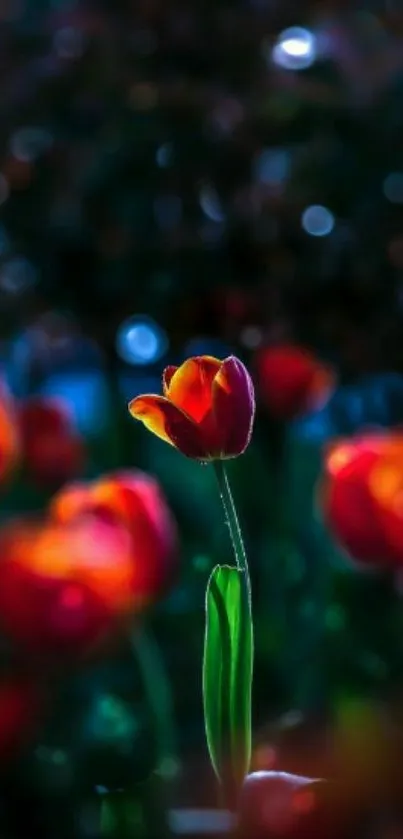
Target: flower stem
(232,520)
(158,694)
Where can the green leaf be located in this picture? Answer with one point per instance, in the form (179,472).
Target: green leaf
(227,674)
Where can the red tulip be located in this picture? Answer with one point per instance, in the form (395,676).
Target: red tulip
(291,380)
(9,436)
(362,498)
(134,500)
(276,805)
(64,586)
(52,448)
(207,409)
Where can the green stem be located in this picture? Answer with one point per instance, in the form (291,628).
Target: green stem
(241,560)
(234,526)
(157,690)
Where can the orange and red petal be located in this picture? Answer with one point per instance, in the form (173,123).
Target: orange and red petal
(167,377)
(65,585)
(169,423)
(190,386)
(10,444)
(349,506)
(386,488)
(233,406)
(351,517)
(71,502)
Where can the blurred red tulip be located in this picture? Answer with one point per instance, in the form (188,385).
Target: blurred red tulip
(53,450)
(9,435)
(291,381)
(362,498)
(64,586)
(276,805)
(20,708)
(135,500)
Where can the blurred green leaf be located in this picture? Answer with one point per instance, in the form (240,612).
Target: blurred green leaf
(227,675)
(121,816)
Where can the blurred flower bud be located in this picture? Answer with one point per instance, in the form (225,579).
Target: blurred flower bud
(276,805)
(361,498)
(135,500)
(64,587)
(291,381)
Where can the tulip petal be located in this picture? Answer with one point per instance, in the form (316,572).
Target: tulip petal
(234,406)
(166,378)
(71,501)
(169,423)
(350,509)
(190,386)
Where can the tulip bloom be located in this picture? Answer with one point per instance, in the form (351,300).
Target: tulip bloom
(135,501)
(362,498)
(64,586)
(9,436)
(53,450)
(291,381)
(206,411)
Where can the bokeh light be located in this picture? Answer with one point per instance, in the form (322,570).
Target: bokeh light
(27,144)
(317,220)
(393,187)
(295,49)
(272,166)
(16,274)
(164,155)
(211,204)
(140,340)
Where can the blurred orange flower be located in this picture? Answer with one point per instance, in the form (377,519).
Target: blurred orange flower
(362,497)
(9,435)
(207,409)
(64,586)
(291,380)
(134,500)
(53,451)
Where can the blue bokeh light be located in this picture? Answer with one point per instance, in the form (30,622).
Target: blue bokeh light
(317,220)
(30,142)
(164,155)
(141,341)
(86,394)
(393,187)
(211,204)
(295,49)
(17,274)
(272,166)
